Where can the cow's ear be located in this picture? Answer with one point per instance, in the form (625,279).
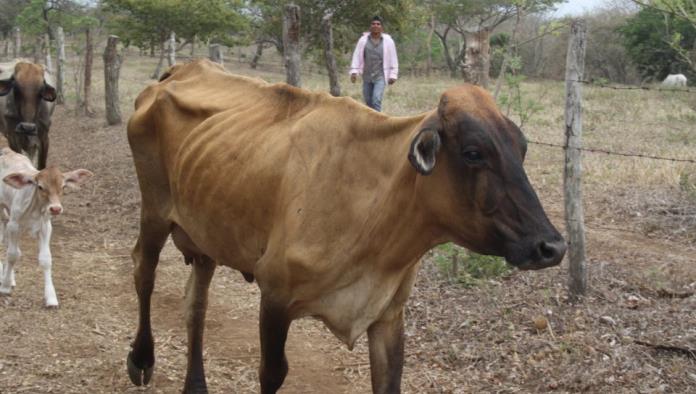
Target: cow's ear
(424,148)
(19,180)
(48,92)
(73,179)
(6,86)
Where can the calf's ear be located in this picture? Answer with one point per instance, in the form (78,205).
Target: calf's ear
(6,86)
(48,93)
(75,178)
(19,180)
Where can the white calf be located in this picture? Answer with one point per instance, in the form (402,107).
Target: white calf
(675,80)
(28,199)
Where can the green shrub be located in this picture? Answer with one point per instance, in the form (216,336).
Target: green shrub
(471,268)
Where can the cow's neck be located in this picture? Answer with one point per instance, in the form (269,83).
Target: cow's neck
(398,224)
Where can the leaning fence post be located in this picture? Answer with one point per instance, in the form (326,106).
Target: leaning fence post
(291,44)
(60,64)
(215,53)
(112,68)
(575,225)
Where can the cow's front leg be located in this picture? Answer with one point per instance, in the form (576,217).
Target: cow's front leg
(45,262)
(196,306)
(274,324)
(13,255)
(386,342)
(153,234)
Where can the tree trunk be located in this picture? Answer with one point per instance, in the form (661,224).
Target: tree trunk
(171,53)
(429,46)
(572,181)
(47,53)
(89,56)
(193,46)
(158,70)
(291,44)
(257,55)
(17,50)
(215,53)
(7,47)
(112,67)
(477,62)
(327,36)
(60,55)
(511,49)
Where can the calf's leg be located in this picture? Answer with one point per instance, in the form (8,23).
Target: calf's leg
(274,324)
(196,306)
(13,255)
(153,234)
(45,261)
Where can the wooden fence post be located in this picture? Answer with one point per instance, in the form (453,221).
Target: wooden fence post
(17,50)
(171,58)
(327,36)
(572,181)
(89,56)
(60,64)
(215,53)
(112,68)
(291,44)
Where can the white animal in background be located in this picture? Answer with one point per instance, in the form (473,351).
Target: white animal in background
(28,200)
(675,80)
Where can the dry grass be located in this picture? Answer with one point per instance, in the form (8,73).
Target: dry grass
(640,251)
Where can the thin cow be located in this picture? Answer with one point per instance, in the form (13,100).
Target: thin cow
(26,105)
(326,203)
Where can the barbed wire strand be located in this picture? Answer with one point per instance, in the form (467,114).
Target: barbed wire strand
(613,153)
(641,87)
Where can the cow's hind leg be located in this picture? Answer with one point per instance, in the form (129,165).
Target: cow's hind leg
(196,306)
(274,325)
(153,234)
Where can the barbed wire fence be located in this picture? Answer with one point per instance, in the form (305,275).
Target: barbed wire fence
(573,147)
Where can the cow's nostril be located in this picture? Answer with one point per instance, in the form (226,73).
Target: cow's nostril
(552,250)
(55,210)
(27,127)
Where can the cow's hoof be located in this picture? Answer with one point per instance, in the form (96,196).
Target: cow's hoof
(51,307)
(139,376)
(5,292)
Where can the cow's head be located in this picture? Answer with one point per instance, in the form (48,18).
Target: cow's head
(476,188)
(50,184)
(27,87)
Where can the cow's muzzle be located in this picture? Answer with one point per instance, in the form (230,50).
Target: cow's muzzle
(540,254)
(26,128)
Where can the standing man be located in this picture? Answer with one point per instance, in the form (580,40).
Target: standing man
(375,58)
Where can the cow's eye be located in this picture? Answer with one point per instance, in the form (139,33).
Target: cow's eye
(40,187)
(473,156)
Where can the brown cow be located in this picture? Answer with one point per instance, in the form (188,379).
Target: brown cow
(25,114)
(328,204)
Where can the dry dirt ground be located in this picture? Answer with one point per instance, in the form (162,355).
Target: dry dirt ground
(459,340)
